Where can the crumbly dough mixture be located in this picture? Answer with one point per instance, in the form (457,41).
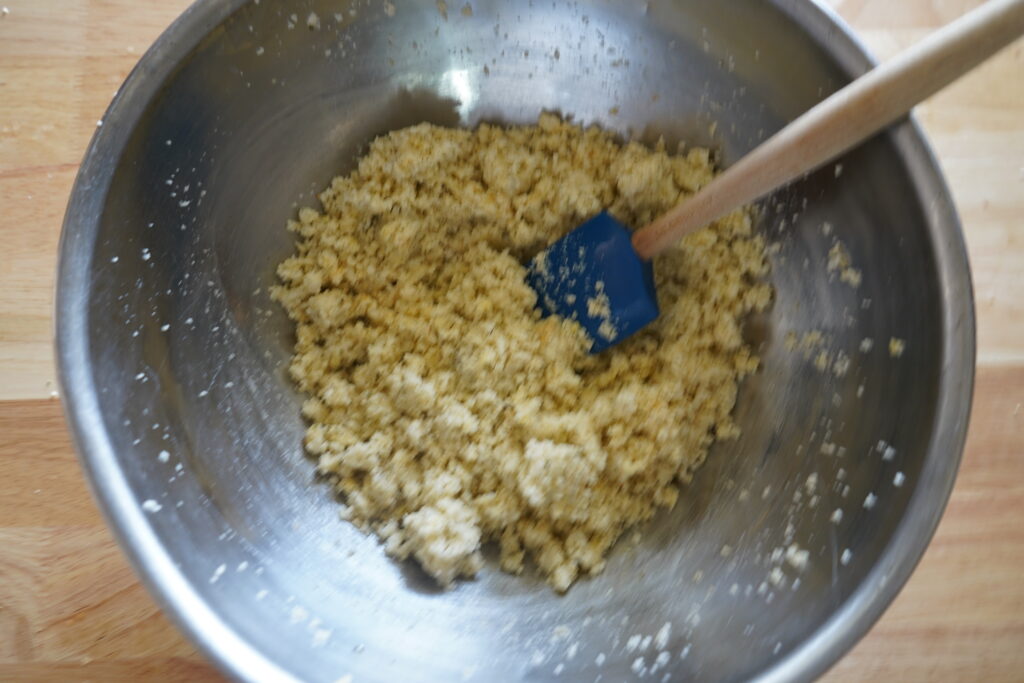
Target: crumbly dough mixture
(444,409)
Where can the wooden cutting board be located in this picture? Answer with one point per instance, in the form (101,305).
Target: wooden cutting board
(71,609)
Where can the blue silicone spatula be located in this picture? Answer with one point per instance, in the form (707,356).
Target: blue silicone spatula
(601,275)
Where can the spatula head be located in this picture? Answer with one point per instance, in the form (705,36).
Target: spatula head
(594,276)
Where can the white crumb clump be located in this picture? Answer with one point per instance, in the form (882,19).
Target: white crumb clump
(606,330)
(797,557)
(839,262)
(445,410)
(313,21)
(662,636)
(807,343)
(850,276)
(151,506)
(896,347)
(811,344)
(320,637)
(841,365)
(599,307)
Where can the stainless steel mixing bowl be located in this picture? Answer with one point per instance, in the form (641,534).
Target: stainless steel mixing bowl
(172,355)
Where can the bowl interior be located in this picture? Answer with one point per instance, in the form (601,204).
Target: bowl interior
(187,353)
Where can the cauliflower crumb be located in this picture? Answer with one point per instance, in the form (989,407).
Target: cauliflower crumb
(607,331)
(896,347)
(841,365)
(661,638)
(811,341)
(445,411)
(839,261)
(797,557)
(599,307)
(638,666)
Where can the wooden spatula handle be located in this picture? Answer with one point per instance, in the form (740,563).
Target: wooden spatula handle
(844,119)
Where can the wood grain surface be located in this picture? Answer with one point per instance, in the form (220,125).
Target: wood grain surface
(70,607)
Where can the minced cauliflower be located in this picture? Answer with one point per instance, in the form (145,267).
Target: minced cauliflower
(444,409)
